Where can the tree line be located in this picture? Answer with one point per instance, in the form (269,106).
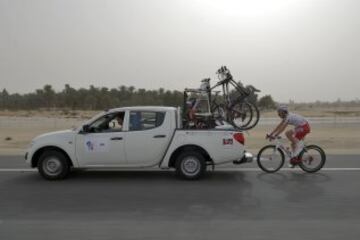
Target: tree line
(98,98)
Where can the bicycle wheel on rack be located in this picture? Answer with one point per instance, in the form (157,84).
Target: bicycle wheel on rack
(218,111)
(255,117)
(240,115)
(312,159)
(270,159)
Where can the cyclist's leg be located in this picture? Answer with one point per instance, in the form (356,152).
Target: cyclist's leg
(300,133)
(295,145)
(290,134)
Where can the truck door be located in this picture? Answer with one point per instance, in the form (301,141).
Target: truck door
(103,144)
(147,138)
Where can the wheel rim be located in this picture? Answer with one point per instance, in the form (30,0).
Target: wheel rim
(241,115)
(255,117)
(190,166)
(271,159)
(311,159)
(52,166)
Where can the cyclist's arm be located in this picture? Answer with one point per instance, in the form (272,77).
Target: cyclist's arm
(279,129)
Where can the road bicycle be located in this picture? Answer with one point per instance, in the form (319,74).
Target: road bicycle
(214,113)
(271,158)
(233,106)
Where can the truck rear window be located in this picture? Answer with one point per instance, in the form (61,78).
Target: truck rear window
(144,120)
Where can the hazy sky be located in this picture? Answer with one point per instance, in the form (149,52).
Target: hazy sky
(303,50)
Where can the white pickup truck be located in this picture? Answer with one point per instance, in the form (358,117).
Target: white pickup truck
(142,137)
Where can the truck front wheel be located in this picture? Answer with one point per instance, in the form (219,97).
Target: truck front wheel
(53,165)
(190,165)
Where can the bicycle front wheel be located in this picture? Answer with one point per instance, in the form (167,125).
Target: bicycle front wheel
(312,159)
(270,159)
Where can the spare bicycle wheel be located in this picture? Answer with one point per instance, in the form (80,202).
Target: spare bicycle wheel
(240,115)
(255,117)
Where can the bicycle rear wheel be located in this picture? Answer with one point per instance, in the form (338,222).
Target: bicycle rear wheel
(240,115)
(270,159)
(255,117)
(312,159)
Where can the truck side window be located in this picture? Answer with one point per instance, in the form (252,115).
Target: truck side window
(108,123)
(144,120)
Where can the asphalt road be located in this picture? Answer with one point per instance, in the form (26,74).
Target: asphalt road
(240,204)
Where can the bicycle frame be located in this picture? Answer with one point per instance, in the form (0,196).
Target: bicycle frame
(225,84)
(281,146)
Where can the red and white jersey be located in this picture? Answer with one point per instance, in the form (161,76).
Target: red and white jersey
(295,120)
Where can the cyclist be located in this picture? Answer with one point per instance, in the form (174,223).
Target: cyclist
(302,128)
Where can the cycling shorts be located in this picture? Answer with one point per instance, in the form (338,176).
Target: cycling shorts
(302,131)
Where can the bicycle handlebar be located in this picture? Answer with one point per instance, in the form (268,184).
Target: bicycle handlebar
(206,80)
(252,89)
(268,136)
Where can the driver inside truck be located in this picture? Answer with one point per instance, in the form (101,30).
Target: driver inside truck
(120,119)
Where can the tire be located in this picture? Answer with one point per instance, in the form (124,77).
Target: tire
(255,117)
(241,115)
(310,154)
(268,163)
(190,165)
(53,165)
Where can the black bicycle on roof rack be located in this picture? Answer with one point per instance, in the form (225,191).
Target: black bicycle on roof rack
(232,106)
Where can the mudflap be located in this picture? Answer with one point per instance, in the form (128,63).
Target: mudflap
(212,165)
(247,158)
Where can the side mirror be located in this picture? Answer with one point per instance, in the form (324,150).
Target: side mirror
(86,128)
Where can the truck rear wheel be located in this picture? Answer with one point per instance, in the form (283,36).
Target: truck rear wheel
(190,165)
(53,165)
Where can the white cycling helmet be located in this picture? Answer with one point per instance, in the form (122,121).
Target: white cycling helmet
(282,108)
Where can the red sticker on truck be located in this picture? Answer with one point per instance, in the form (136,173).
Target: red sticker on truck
(227,141)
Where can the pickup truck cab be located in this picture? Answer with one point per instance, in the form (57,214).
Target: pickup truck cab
(135,137)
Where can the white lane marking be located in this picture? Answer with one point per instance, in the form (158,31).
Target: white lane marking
(161,170)
(17,170)
(283,169)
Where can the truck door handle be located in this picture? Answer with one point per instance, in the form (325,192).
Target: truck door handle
(159,136)
(116,138)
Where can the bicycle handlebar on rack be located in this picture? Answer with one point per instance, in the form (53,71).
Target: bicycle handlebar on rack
(252,89)
(222,69)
